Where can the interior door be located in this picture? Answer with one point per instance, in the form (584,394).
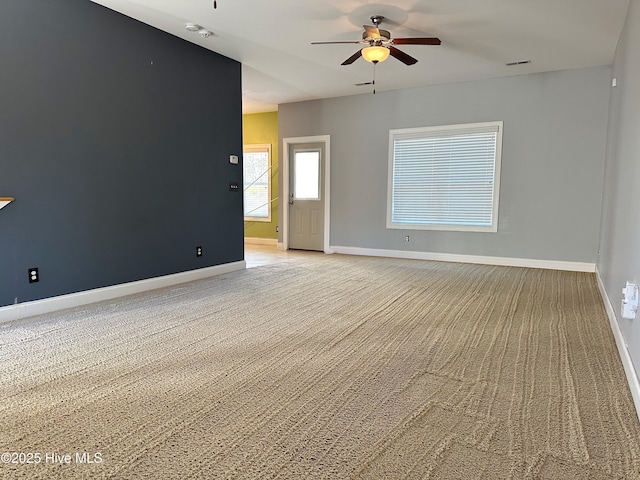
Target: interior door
(306,202)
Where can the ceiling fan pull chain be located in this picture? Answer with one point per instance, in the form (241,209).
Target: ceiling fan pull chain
(374,78)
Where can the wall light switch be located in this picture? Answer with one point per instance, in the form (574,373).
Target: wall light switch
(233,187)
(233,159)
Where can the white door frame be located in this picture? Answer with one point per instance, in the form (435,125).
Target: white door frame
(286,143)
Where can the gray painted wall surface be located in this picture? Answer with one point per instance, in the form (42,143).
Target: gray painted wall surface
(620,234)
(552,165)
(114,140)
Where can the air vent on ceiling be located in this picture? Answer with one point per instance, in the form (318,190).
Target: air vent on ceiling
(521,62)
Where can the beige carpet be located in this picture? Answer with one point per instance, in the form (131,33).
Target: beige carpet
(340,368)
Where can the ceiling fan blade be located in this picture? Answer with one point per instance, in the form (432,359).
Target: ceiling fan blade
(352,58)
(328,43)
(372,32)
(417,41)
(403,57)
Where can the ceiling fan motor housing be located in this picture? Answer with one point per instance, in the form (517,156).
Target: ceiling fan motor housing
(384,34)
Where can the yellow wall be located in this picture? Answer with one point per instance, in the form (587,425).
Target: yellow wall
(262,128)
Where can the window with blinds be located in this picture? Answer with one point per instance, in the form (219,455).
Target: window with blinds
(445,178)
(256,169)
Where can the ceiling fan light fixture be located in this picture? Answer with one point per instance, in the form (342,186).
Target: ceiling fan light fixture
(375,54)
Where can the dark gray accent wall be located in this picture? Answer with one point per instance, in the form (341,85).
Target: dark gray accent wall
(619,260)
(114,140)
(554,144)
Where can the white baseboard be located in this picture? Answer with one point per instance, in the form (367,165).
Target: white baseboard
(280,246)
(47,305)
(623,351)
(261,241)
(485,260)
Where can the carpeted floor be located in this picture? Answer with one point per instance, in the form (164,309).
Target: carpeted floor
(337,367)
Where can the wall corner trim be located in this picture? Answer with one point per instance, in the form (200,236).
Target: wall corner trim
(479,259)
(48,305)
(625,357)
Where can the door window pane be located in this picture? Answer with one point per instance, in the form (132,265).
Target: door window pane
(306,175)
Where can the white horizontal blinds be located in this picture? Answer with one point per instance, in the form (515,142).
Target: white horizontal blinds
(444,177)
(256,182)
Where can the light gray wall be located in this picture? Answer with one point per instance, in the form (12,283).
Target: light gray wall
(554,145)
(620,233)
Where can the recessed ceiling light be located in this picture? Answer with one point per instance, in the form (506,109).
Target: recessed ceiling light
(192,27)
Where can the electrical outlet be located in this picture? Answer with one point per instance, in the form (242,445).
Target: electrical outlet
(198,251)
(34,276)
(406,238)
(277,229)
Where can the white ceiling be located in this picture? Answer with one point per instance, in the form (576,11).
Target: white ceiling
(271,38)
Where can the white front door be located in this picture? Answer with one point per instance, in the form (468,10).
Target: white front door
(306,199)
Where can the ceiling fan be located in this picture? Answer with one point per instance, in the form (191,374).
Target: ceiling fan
(381,45)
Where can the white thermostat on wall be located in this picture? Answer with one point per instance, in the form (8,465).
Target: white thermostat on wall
(233,159)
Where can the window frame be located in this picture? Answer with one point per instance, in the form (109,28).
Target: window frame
(443,131)
(258,148)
